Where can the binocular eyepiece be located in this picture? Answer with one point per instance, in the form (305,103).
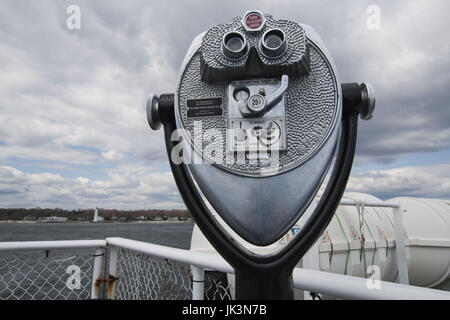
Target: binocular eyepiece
(272,45)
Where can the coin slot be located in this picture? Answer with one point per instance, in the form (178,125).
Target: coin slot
(241,94)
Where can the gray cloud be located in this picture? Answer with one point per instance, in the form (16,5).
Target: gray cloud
(424,181)
(124,188)
(75,97)
(123,51)
(141,187)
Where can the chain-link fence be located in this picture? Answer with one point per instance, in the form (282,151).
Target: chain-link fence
(217,286)
(68,274)
(46,275)
(142,277)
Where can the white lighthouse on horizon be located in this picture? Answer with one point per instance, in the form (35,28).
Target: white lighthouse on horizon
(95,215)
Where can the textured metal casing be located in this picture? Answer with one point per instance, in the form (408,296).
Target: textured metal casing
(261,203)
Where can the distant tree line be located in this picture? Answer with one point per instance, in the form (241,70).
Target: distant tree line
(88,214)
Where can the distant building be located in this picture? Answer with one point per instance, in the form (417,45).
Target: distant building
(54,219)
(173,219)
(158,219)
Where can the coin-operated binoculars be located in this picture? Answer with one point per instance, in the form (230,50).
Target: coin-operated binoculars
(258,116)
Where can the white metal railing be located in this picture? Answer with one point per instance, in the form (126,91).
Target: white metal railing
(398,228)
(354,288)
(310,260)
(341,286)
(50,245)
(346,287)
(199,261)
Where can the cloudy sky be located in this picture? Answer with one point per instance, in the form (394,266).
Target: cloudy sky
(73,130)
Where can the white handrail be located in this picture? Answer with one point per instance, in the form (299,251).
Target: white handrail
(207,260)
(50,245)
(400,251)
(354,288)
(337,285)
(381,204)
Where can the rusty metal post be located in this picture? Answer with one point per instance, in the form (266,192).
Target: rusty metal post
(97,273)
(112,277)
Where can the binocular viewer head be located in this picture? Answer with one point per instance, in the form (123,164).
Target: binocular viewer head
(254,46)
(259,100)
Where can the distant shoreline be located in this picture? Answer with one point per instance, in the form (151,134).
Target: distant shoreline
(89,215)
(90,222)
